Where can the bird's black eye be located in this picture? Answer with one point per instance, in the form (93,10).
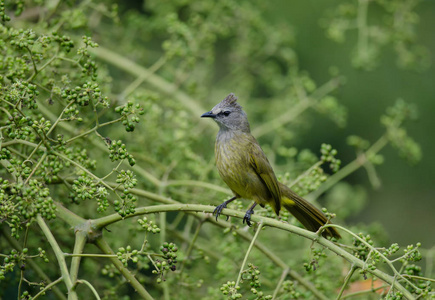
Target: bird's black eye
(226,113)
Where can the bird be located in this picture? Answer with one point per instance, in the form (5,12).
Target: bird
(244,167)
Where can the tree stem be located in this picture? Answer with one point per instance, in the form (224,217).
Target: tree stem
(242,267)
(72,295)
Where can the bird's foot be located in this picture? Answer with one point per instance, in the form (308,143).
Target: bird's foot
(247,217)
(218,210)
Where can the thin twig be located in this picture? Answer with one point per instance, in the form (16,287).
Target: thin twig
(192,242)
(242,267)
(346,281)
(46,288)
(280,282)
(91,287)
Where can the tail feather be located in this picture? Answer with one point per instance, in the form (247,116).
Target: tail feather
(306,213)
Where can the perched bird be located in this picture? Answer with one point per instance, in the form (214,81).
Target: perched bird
(244,167)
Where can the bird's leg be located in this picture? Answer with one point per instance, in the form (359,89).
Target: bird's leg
(248,214)
(219,208)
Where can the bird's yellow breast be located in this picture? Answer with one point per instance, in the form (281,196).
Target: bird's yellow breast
(233,164)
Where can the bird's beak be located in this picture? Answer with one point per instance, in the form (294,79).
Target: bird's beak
(208,115)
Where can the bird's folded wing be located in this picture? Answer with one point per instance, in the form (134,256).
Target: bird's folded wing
(261,166)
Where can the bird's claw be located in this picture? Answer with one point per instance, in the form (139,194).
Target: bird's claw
(218,210)
(247,217)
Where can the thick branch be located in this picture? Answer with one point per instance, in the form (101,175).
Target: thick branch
(158,82)
(105,221)
(59,256)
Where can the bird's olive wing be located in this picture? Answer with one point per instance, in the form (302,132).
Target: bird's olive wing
(262,167)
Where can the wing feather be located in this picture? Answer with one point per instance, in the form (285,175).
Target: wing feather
(261,166)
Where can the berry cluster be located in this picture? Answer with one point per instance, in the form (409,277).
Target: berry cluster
(130,114)
(421,287)
(311,182)
(5,154)
(365,253)
(328,156)
(16,258)
(316,254)
(80,156)
(398,136)
(87,40)
(19,168)
(42,126)
(89,67)
(126,205)
(149,226)
(18,127)
(391,250)
(118,151)
(50,168)
(360,250)
(230,289)
(328,214)
(64,41)
(358,142)
(71,113)
(127,179)
(253,275)
(412,253)
(33,199)
(22,38)
(169,251)
(330,106)
(394,296)
(101,194)
(22,94)
(3,16)
(290,290)
(126,254)
(83,188)
(21,203)
(9,263)
(16,68)
(110,271)
(82,95)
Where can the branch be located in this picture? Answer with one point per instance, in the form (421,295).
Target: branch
(197,183)
(158,82)
(260,226)
(80,243)
(140,289)
(349,168)
(90,286)
(105,221)
(242,233)
(72,295)
(291,114)
(49,286)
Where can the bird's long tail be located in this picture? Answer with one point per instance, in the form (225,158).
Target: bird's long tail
(309,215)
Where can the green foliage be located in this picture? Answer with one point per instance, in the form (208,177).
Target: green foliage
(393,24)
(87,145)
(398,136)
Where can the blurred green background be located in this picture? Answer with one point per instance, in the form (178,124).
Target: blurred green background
(404,204)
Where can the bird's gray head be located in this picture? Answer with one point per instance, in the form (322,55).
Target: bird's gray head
(229,115)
